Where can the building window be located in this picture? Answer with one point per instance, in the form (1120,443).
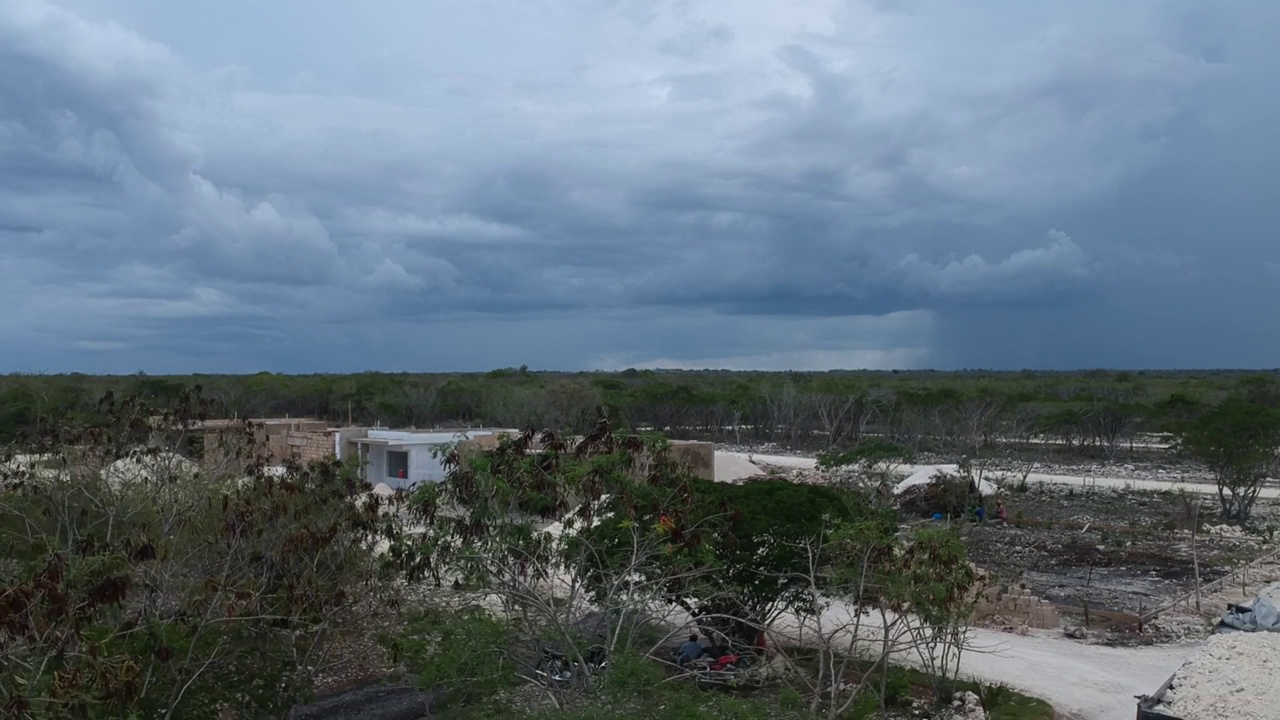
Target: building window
(397,464)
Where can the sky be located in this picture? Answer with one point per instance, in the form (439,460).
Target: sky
(452,185)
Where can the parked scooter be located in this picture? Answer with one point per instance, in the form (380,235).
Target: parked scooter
(556,668)
(716,667)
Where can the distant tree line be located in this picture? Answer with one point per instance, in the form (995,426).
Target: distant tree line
(1085,414)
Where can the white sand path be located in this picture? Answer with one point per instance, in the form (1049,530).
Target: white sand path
(1083,481)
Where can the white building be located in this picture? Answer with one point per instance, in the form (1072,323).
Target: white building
(404,458)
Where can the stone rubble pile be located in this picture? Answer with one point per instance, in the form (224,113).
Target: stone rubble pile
(967,706)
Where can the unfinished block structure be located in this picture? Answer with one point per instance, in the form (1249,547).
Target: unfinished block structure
(1018,607)
(282,439)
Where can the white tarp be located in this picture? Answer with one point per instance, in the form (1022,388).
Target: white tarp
(925,474)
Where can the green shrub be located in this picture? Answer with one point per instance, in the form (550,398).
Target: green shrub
(869,452)
(994,695)
(466,653)
(897,688)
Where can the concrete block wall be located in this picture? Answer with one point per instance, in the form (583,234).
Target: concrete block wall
(302,440)
(701,457)
(222,446)
(1017,606)
(303,447)
(311,446)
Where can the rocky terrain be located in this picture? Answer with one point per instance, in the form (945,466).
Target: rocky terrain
(1105,556)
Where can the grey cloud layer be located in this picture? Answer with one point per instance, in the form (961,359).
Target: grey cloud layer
(343,190)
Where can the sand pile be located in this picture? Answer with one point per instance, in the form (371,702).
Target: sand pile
(149,468)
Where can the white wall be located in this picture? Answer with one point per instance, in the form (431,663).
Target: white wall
(376,469)
(423,467)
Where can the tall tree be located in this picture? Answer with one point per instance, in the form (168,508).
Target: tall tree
(1239,441)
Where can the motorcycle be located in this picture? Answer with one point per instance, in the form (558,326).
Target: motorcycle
(556,668)
(718,668)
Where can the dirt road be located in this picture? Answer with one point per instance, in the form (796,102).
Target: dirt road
(1089,682)
(1086,682)
(789,461)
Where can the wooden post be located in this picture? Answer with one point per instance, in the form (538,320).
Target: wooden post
(1195,558)
(1088,582)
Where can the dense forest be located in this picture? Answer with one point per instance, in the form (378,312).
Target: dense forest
(1089,413)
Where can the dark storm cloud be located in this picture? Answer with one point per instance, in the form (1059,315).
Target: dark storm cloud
(840,183)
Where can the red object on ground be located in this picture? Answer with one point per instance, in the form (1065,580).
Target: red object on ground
(724,661)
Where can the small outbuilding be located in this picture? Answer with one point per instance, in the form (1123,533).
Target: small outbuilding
(403,458)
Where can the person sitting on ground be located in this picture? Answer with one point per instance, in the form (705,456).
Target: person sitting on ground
(1001,513)
(691,650)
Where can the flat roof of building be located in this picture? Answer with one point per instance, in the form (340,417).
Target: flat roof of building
(233,422)
(394,441)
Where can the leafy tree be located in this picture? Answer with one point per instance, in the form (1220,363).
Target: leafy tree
(513,520)
(871,453)
(752,538)
(1065,424)
(1177,408)
(1110,421)
(1238,441)
(938,585)
(873,462)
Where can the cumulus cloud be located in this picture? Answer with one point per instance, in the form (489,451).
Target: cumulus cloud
(265,241)
(1060,265)
(178,186)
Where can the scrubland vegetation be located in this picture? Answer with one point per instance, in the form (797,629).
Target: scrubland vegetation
(137,582)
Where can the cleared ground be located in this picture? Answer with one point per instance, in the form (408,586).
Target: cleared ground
(1105,557)
(1109,549)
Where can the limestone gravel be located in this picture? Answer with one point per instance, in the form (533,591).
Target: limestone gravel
(1232,678)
